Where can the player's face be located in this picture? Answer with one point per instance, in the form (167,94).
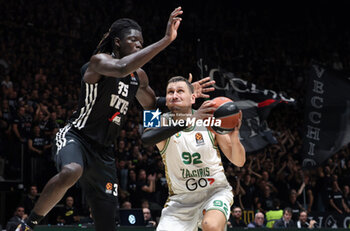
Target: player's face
(131,43)
(179,97)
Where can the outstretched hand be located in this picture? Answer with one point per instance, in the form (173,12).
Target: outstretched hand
(202,86)
(173,24)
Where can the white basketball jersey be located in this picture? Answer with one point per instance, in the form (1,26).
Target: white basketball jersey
(192,161)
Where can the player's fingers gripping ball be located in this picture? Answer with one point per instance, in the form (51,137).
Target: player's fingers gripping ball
(229,114)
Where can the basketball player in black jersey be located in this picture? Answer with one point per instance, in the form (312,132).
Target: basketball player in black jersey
(111,80)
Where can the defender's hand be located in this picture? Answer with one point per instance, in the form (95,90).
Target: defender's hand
(202,86)
(173,24)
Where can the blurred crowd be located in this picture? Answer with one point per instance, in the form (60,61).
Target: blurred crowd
(43,45)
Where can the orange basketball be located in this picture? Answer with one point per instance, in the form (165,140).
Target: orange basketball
(226,111)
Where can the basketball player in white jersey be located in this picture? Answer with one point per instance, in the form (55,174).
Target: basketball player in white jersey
(199,193)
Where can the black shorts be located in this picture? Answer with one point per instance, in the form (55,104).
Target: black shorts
(99,179)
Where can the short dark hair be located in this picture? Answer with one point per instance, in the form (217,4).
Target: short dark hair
(117,29)
(287,209)
(181,79)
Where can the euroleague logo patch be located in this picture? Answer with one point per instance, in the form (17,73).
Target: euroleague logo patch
(199,138)
(109,188)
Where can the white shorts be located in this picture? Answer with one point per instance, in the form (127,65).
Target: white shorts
(185,211)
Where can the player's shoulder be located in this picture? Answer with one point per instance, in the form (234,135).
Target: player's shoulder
(96,58)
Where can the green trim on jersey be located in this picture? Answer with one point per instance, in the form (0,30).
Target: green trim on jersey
(190,129)
(220,209)
(165,146)
(212,139)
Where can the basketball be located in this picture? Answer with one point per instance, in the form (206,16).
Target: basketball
(226,111)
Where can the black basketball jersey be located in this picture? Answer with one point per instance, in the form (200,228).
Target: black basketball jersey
(103,106)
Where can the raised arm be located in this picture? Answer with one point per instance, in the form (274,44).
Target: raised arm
(145,95)
(105,64)
(232,147)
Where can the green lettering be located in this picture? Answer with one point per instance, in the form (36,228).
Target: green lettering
(194,173)
(207,172)
(200,172)
(188,174)
(218,203)
(225,208)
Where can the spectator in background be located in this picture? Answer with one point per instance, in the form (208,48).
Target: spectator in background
(144,203)
(6,85)
(162,191)
(126,205)
(30,199)
(145,186)
(132,186)
(249,189)
(294,204)
(38,161)
(7,112)
(336,200)
(68,215)
(122,174)
(22,124)
(236,218)
(18,217)
(275,214)
(264,202)
(307,186)
(303,222)
(346,195)
(286,221)
(258,221)
(40,77)
(149,222)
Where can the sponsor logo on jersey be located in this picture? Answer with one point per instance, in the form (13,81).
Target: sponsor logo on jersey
(200,172)
(199,138)
(115,118)
(133,79)
(119,104)
(177,135)
(192,183)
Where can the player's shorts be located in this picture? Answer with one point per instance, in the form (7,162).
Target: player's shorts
(99,174)
(186,211)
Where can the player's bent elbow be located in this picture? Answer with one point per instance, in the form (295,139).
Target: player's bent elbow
(239,163)
(122,70)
